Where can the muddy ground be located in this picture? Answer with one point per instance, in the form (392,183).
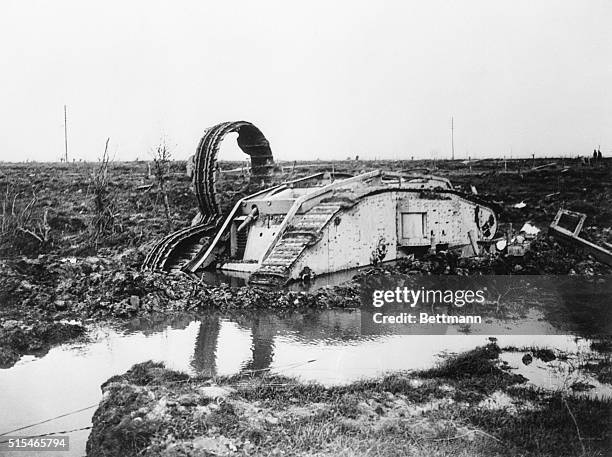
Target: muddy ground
(58,273)
(56,269)
(469,405)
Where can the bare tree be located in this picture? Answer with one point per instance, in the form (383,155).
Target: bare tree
(161,164)
(103,222)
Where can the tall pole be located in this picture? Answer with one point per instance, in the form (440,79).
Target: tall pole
(65,135)
(453,137)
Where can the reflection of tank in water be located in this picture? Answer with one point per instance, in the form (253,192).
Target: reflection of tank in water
(329,328)
(316,224)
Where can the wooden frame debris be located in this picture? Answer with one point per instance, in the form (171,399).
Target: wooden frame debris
(572,236)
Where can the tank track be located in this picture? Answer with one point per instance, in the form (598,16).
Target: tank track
(250,140)
(182,240)
(305,231)
(176,250)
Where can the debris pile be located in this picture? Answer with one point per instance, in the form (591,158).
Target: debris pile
(544,256)
(57,288)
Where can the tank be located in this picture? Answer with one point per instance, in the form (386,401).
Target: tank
(317,224)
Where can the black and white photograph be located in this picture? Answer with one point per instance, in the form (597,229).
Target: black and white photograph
(329,228)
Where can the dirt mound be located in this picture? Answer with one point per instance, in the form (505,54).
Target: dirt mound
(36,338)
(151,411)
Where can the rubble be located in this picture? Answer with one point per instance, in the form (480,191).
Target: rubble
(529,229)
(571,234)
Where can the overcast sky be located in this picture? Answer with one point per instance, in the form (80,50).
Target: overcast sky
(322,79)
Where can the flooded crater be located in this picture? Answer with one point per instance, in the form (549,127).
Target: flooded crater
(323,346)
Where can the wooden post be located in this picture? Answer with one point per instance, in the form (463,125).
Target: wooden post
(453,137)
(65,135)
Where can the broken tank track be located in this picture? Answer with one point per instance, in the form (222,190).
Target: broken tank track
(176,250)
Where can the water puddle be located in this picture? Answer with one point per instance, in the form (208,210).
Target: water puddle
(566,374)
(327,347)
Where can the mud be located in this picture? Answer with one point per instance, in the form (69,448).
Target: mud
(468,405)
(18,338)
(69,277)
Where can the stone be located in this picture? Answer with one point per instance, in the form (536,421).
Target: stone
(10,324)
(188,400)
(272,420)
(215,446)
(527,359)
(215,392)
(134,301)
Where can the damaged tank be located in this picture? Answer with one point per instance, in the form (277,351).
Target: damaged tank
(317,224)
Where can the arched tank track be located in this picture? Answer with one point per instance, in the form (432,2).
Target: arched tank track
(179,247)
(250,140)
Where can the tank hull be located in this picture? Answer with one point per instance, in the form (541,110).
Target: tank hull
(319,224)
